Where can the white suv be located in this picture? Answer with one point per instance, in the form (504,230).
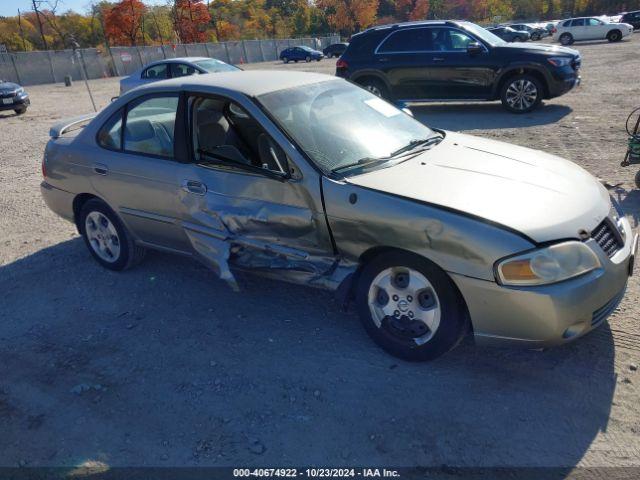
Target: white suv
(589,28)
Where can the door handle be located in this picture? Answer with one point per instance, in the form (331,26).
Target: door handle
(438,59)
(100,168)
(383,59)
(195,187)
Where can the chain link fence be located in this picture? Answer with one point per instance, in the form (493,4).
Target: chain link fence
(36,68)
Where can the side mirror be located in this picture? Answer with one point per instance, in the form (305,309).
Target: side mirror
(474,48)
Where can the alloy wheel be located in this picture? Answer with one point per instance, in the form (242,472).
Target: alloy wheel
(103,236)
(373,89)
(405,304)
(521,94)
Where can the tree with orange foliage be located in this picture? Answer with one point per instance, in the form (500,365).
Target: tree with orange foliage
(412,9)
(190,20)
(123,22)
(349,16)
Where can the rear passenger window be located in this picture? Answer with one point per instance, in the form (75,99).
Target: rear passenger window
(110,135)
(157,72)
(182,70)
(149,127)
(567,23)
(578,22)
(408,40)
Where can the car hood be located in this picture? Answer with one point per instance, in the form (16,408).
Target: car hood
(540,48)
(6,87)
(540,195)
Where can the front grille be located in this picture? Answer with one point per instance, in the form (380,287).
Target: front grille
(607,238)
(7,94)
(607,309)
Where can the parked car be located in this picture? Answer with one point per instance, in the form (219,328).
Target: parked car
(535,33)
(13,97)
(631,18)
(509,34)
(444,60)
(172,68)
(311,179)
(589,28)
(335,49)
(300,53)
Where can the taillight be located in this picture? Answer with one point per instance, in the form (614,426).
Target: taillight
(554,30)
(341,64)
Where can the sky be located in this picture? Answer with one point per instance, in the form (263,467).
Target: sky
(10,7)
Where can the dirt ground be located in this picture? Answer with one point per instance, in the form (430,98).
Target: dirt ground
(164,365)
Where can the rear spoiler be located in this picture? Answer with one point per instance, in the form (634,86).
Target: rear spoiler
(59,129)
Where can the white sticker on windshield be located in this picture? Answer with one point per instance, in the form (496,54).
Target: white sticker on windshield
(382,107)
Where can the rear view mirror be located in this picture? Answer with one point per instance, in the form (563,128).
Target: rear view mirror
(474,48)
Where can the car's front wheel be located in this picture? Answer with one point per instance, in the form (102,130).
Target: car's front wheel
(410,307)
(566,39)
(307,59)
(614,36)
(521,94)
(20,111)
(107,238)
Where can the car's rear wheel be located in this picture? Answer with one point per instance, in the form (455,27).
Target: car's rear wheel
(566,39)
(521,93)
(285,59)
(375,86)
(614,36)
(409,306)
(107,238)
(535,37)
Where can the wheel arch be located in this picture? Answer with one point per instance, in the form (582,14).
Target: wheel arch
(534,71)
(364,74)
(346,290)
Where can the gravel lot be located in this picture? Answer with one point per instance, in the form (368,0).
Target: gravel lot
(164,365)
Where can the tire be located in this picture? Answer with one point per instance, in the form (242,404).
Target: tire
(535,37)
(566,39)
(20,111)
(637,179)
(521,93)
(318,59)
(436,297)
(614,36)
(126,255)
(285,59)
(375,86)
(307,59)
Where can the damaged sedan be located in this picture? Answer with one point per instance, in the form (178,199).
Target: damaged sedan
(311,179)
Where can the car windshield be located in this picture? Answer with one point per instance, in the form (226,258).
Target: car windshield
(339,124)
(212,65)
(483,34)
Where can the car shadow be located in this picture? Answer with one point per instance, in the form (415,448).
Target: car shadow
(484,116)
(629,200)
(165,365)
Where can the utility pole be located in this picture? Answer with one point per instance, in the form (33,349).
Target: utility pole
(78,55)
(35,9)
(24,45)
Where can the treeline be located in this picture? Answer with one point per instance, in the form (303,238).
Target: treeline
(132,22)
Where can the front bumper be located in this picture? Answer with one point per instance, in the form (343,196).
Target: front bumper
(553,314)
(21,101)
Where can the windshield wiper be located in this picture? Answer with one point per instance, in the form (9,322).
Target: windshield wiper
(413,144)
(363,162)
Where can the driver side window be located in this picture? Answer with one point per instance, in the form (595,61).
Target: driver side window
(223,133)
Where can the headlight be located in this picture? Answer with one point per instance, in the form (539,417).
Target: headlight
(547,265)
(20,91)
(559,61)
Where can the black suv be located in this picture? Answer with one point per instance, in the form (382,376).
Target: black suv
(435,60)
(632,18)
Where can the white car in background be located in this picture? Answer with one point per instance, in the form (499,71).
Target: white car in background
(590,28)
(173,68)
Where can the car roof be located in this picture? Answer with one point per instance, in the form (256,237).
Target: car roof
(178,60)
(249,82)
(416,23)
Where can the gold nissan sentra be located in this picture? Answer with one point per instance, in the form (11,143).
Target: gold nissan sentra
(311,179)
